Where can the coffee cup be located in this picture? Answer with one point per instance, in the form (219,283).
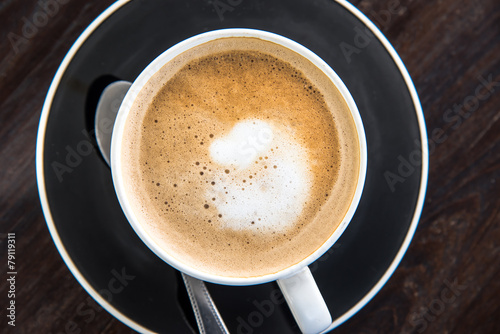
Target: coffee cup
(239,157)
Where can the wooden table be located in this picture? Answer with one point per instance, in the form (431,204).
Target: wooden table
(449,280)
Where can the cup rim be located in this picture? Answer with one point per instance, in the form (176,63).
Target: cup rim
(141,81)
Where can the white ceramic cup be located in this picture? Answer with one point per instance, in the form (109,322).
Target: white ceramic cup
(296,282)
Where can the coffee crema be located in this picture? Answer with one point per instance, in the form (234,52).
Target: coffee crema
(240,157)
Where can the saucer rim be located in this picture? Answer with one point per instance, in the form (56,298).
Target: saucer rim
(102,301)
(41,174)
(424,168)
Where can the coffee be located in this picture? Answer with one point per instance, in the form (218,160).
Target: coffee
(240,157)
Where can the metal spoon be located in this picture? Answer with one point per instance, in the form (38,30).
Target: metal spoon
(207,316)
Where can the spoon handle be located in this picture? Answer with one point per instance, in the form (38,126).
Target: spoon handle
(207,316)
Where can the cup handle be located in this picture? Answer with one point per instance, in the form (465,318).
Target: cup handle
(306,302)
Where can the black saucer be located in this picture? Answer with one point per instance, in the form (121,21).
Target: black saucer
(90,230)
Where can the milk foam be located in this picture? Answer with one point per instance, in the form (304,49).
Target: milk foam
(243,144)
(263,182)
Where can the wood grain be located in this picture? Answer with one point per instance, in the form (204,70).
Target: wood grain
(448,282)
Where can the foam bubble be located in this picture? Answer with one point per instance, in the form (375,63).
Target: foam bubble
(267,186)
